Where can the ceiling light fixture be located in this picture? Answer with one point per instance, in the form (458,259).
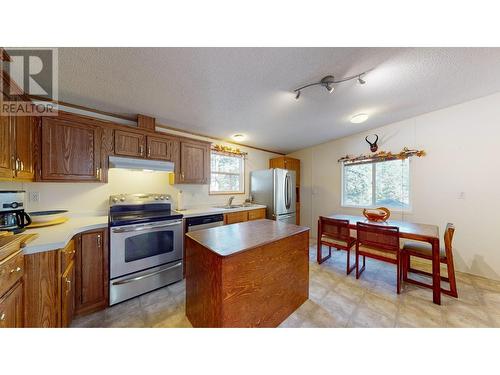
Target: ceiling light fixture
(359,118)
(328,83)
(238,137)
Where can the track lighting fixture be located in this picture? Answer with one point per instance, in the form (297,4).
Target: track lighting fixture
(329,83)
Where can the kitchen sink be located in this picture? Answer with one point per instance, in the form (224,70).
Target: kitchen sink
(227,207)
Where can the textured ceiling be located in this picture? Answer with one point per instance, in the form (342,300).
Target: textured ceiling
(222,91)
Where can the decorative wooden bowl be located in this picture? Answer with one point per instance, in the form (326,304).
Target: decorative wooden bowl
(377,214)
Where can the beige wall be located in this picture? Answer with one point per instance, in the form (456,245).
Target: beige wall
(91,198)
(458,181)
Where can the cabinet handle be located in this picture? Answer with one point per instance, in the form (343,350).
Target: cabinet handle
(21,165)
(68,282)
(2,316)
(182,176)
(149,152)
(98,240)
(141,149)
(17,269)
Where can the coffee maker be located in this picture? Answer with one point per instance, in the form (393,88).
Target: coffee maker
(12,215)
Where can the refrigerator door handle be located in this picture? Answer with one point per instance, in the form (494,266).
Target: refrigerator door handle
(287,191)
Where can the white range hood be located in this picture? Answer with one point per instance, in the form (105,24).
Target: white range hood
(140,164)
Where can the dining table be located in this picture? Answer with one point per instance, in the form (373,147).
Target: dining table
(412,231)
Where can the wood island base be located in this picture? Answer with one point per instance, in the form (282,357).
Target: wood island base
(256,279)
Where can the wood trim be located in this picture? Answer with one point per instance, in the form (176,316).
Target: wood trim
(83,108)
(146,122)
(135,119)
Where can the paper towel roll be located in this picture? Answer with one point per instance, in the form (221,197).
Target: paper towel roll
(180,203)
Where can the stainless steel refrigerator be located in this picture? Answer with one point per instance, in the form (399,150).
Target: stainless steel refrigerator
(276,189)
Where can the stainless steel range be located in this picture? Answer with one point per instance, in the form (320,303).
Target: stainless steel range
(146,245)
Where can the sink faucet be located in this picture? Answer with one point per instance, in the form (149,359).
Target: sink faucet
(230,200)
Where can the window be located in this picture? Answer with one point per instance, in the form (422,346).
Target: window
(227,173)
(385,183)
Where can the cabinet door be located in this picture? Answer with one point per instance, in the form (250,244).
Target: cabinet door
(11,308)
(70,151)
(91,272)
(195,163)
(163,148)
(235,217)
(129,143)
(6,145)
(278,162)
(257,214)
(68,295)
(24,129)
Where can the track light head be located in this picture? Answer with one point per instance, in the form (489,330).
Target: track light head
(361,81)
(298,95)
(329,88)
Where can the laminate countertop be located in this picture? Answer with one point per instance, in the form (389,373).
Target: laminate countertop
(57,236)
(231,239)
(211,210)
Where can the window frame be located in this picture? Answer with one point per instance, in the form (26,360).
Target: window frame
(409,209)
(242,175)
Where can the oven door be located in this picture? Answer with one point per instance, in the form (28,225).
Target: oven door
(139,246)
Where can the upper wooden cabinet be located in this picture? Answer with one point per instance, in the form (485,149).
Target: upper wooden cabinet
(16,146)
(130,144)
(163,148)
(195,163)
(70,151)
(287,163)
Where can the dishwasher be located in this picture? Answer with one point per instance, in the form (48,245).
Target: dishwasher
(204,222)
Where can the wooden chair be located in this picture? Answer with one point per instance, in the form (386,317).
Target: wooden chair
(378,242)
(424,250)
(335,233)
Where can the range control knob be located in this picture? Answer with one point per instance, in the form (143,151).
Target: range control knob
(115,200)
(162,197)
(156,197)
(122,199)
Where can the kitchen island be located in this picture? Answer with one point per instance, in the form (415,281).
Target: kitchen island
(250,274)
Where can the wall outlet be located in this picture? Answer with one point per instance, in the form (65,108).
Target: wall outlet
(34,196)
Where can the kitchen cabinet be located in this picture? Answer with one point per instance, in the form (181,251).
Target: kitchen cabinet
(129,143)
(68,294)
(287,163)
(42,290)
(241,216)
(16,146)
(163,148)
(70,151)
(91,272)
(195,163)
(11,308)
(257,214)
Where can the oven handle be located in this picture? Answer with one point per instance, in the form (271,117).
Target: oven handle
(126,281)
(134,229)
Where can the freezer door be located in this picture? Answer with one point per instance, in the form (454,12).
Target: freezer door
(287,218)
(284,191)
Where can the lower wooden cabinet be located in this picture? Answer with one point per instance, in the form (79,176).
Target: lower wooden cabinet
(61,284)
(11,308)
(68,295)
(241,216)
(92,256)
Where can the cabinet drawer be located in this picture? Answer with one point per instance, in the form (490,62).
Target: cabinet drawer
(235,217)
(67,255)
(11,270)
(257,214)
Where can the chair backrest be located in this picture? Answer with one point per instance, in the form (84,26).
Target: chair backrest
(334,228)
(448,237)
(378,236)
